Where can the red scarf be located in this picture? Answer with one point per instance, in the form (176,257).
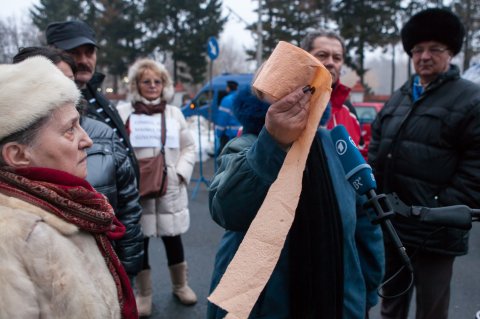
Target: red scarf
(75,201)
(339,95)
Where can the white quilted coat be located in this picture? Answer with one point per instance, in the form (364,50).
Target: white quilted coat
(168,215)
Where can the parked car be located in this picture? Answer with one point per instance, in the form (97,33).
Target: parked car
(366,112)
(206,101)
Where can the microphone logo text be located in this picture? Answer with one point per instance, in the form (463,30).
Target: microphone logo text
(341,147)
(357,183)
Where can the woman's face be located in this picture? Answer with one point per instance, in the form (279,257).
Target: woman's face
(61,143)
(150,85)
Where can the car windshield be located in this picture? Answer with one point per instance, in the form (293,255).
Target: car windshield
(366,114)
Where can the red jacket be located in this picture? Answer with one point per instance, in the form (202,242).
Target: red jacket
(341,113)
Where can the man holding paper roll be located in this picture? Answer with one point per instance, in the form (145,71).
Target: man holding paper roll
(322,270)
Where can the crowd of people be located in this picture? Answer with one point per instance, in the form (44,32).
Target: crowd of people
(76,221)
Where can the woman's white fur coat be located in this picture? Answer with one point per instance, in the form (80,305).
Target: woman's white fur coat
(49,268)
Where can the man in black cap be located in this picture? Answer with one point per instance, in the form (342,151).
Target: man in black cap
(226,124)
(426,147)
(78,39)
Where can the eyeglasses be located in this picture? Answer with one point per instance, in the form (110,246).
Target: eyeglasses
(151,82)
(433,50)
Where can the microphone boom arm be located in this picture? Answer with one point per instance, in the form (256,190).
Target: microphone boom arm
(384,210)
(457,216)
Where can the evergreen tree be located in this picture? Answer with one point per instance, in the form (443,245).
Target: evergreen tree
(325,12)
(365,24)
(48,11)
(285,21)
(182,28)
(119,36)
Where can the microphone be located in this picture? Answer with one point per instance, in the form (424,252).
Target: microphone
(360,176)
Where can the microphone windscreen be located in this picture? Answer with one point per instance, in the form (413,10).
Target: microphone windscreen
(357,171)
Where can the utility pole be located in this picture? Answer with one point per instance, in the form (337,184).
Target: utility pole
(259,35)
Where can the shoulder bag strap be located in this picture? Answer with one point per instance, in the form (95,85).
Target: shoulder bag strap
(164,129)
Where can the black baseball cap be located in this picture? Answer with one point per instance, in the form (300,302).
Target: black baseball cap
(69,34)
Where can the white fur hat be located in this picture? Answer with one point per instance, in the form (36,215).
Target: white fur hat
(133,72)
(30,90)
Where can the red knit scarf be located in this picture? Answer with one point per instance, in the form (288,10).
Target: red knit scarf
(75,201)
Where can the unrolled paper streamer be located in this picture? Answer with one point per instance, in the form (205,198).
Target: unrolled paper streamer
(287,69)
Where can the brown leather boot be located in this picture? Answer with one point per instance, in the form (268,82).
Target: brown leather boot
(143,297)
(178,274)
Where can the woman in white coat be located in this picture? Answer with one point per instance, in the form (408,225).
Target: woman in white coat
(150,87)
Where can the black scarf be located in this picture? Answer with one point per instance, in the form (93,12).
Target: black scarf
(316,244)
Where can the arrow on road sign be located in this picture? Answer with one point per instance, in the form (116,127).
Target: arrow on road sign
(212,48)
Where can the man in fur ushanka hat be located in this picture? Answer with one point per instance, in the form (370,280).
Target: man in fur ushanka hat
(439,25)
(426,147)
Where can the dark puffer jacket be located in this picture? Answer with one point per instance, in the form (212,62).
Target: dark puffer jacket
(100,108)
(109,171)
(428,152)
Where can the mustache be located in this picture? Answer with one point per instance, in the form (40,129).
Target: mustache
(425,64)
(83,68)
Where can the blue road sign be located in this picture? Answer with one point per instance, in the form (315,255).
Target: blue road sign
(212,48)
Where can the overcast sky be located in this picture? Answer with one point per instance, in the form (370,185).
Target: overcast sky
(234,29)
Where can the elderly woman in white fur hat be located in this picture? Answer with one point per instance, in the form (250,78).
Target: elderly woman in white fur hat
(55,229)
(165,215)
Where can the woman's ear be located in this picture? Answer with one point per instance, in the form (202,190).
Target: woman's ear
(16,155)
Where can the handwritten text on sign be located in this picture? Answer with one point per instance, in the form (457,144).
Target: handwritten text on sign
(146,130)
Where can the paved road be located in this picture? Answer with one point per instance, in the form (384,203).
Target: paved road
(465,295)
(200,246)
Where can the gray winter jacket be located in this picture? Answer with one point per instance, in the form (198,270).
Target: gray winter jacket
(110,172)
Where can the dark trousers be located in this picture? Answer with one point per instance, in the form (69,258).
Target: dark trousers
(432,276)
(173,247)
